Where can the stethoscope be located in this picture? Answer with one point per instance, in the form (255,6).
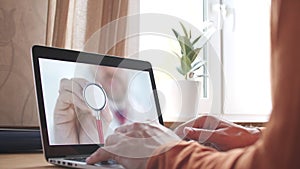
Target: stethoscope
(95,97)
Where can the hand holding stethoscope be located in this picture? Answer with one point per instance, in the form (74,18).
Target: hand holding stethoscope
(95,97)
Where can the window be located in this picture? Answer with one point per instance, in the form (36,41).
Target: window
(157,44)
(244,47)
(238,83)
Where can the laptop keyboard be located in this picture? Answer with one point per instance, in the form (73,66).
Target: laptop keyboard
(82,159)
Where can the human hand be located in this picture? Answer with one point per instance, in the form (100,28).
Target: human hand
(220,134)
(71,108)
(133,144)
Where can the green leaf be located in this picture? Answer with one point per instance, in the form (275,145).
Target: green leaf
(196,52)
(185,45)
(182,45)
(196,40)
(179,70)
(184,30)
(190,35)
(192,55)
(175,33)
(185,65)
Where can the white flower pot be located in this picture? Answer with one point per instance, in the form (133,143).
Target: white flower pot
(190,94)
(179,100)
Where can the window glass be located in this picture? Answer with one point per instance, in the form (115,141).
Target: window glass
(159,47)
(246,58)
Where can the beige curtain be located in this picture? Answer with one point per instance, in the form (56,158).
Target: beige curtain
(93,25)
(22,24)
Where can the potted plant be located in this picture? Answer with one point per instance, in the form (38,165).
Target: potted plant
(190,62)
(190,51)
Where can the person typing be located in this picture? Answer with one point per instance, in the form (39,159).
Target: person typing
(277,148)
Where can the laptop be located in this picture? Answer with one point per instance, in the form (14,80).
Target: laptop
(68,125)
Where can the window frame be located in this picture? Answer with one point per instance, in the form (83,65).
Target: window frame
(220,88)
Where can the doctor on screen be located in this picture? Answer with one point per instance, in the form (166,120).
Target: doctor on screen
(75,122)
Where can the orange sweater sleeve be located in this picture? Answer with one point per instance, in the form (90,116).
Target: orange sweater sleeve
(188,155)
(279,148)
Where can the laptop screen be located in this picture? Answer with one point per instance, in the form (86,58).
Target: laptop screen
(70,118)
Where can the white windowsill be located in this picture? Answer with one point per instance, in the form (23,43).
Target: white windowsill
(237,118)
(246,118)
